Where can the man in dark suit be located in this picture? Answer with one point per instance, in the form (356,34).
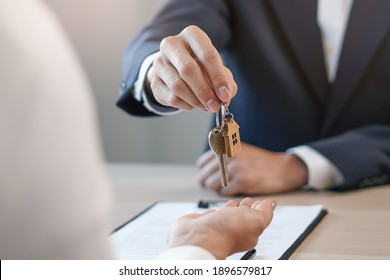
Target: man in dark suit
(314,87)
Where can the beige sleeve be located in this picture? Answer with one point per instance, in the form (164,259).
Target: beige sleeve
(187,252)
(54,194)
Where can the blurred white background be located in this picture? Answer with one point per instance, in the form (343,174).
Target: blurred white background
(100,30)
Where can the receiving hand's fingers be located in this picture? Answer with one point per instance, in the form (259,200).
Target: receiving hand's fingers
(247,202)
(265,208)
(231,203)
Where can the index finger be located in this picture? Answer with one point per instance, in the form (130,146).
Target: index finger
(211,62)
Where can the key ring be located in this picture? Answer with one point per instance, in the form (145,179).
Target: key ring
(227,114)
(222,111)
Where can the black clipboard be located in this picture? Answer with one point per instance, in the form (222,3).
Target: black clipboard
(251,253)
(287,254)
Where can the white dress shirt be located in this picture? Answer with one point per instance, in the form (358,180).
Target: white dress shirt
(332,19)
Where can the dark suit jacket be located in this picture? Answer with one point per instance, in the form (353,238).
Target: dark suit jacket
(274,50)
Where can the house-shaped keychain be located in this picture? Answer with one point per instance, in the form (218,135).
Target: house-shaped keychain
(231,136)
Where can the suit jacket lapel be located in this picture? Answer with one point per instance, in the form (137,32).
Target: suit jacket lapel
(368,24)
(298,21)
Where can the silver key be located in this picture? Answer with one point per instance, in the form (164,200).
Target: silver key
(217,145)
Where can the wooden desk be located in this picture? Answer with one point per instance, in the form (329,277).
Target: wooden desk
(356,227)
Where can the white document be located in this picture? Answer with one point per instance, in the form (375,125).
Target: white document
(145,237)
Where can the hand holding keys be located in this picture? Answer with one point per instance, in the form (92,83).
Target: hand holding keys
(224,140)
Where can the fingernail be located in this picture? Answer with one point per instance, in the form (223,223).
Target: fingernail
(273,205)
(224,93)
(212,105)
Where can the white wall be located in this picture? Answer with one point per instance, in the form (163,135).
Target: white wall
(100,31)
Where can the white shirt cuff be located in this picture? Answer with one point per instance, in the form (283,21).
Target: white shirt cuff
(186,253)
(139,90)
(323,173)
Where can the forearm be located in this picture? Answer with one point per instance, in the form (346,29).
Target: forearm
(362,156)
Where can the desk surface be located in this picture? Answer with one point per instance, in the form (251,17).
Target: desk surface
(356,227)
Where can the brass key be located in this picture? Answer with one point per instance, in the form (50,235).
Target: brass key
(217,145)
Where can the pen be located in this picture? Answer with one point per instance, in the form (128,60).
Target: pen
(249,255)
(208,203)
